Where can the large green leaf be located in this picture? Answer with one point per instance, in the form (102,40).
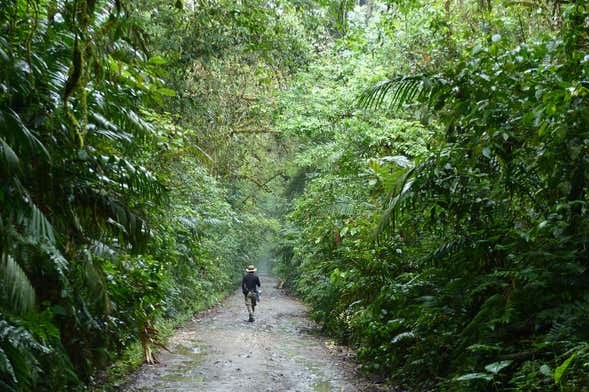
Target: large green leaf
(562,368)
(475,376)
(496,367)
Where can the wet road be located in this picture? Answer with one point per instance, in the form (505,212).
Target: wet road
(281,351)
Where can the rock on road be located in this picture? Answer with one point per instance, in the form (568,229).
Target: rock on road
(280,351)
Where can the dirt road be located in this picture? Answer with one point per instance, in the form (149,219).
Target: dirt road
(281,351)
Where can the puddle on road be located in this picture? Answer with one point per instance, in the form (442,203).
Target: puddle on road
(322,386)
(196,351)
(182,377)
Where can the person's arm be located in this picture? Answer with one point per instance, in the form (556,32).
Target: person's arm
(258,281)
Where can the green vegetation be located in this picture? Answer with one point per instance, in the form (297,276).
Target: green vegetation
(439,217)
(419,169)
(122,187)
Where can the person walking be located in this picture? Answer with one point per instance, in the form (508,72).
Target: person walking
(249,287)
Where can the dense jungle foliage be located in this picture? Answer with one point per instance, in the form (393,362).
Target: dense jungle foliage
(439,217)
(126,131)
(419,168)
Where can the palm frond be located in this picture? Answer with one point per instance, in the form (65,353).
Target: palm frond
(396,197)
(212,221)
(58,261)
(114,136)
(202,156)
(36,224)
(8,157)
(7,369)
(98,204)
(400,91)
(132,120)
(17,284)
(105,128)
(23,351)
(95,282)
(102,250)
(19,136)
(128,176)
(344,206)
(398,193)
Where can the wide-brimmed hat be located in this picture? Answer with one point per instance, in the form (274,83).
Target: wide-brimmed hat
(251,268)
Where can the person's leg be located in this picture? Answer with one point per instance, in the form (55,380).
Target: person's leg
(249,305)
